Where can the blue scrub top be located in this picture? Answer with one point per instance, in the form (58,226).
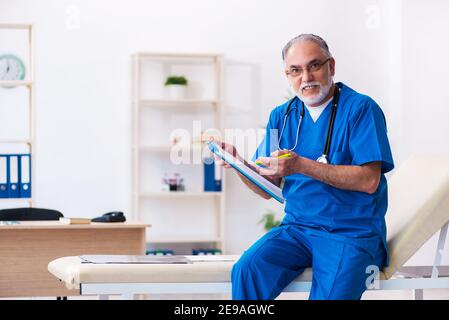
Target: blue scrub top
(359,137)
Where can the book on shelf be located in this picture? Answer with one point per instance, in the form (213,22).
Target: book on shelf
(67,220)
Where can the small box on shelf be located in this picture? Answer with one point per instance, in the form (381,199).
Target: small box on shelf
(206,252)
(159,252)
(174,183)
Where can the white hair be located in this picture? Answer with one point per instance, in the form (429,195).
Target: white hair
(307,37)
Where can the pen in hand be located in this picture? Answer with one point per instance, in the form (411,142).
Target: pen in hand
(285,155)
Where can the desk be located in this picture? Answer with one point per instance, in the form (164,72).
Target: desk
(27,248)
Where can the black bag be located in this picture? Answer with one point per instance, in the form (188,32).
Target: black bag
(29,214)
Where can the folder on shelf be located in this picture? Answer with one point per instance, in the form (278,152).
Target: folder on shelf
(217,177)
(209,175)
(4,179)
(271,189)
(25,175)
(13,176)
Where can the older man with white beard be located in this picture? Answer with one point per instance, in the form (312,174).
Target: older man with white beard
(333,181)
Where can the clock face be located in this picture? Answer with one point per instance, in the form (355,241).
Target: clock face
(11,68)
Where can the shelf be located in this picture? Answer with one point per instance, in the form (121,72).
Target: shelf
(177,103)
(175,239)
(15,26)
(179,194)
(15,83)
(155,148)
(206,70)
(187,58)
(16,141)
(15,200)
(168,148)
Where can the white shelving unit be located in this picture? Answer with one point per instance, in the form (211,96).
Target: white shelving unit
(192,216)
(29,83)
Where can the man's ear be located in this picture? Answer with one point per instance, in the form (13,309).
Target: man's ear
(332,66)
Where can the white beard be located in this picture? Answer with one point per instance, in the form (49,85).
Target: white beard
(324,90)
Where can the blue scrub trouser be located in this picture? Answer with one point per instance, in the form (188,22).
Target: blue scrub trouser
(281,255)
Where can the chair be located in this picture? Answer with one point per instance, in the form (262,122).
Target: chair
(29,214)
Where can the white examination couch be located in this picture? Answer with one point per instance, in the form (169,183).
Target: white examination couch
(418,208)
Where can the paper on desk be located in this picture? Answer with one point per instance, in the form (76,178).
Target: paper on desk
(130,259)
(209,258)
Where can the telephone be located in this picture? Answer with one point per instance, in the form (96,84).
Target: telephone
(114,216)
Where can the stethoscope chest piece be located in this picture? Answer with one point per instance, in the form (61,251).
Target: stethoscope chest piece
(322,159)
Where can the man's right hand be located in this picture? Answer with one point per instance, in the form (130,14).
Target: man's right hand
(230,149)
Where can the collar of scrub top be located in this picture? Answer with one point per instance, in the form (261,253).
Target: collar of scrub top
(330,128)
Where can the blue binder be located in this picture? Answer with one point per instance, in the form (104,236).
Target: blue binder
(25,175)
(217,177)
(4,176)
(13,168)
(209,174)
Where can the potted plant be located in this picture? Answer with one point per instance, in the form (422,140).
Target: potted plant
(176,86)
(269,220)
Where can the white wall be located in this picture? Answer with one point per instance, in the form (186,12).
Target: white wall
(425,89)
(82,72)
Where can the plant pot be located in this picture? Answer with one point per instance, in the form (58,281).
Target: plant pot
(176,91)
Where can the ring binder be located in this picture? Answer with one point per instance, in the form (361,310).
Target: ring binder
(209,175)
(25,176)
(13,169)
(4,173)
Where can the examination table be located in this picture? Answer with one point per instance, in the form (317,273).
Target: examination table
(418,208)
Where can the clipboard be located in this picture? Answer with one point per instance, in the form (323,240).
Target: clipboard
(268,187)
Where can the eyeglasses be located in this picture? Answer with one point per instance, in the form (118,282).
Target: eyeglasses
(311,67)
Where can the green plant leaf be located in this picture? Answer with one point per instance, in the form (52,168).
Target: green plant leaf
(269,221)
(180,80)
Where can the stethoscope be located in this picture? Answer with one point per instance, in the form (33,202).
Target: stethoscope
(330,128)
